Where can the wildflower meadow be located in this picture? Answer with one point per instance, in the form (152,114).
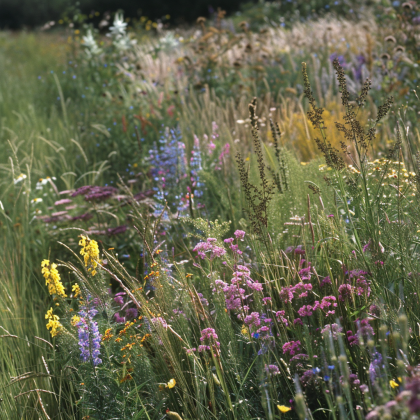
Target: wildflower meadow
(212,220)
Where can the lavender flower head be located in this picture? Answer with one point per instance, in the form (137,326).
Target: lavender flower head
(89,337)
(272,370)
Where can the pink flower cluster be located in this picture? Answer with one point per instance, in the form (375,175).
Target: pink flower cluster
(253,320)
(280,318)
(210,335)
(291,347)
(239,235)
(326,303)
(287,293)
(209,247)
(234,293)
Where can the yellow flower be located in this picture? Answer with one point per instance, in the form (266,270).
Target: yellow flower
(107,336)
(90,252)
(171,383)
(52,278)
(393,383)
(53,323)
(76,289)
(75,319)
(283,409)
(244,331)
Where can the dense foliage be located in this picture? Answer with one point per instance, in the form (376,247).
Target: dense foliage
(219,221)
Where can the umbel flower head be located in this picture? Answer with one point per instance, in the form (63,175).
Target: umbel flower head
(52,278)
(90,252)
(53,323)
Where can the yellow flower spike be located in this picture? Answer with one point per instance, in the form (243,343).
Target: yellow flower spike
(90,253)
(283,409)
(53,323)
(75,319)
(171,383)
(52,279)
(393,384)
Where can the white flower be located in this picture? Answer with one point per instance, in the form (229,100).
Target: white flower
(20,178)
(91,45)
(41,183)
(36,200)
(118,28)
(168,42)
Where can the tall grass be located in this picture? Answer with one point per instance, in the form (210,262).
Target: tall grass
(178,336)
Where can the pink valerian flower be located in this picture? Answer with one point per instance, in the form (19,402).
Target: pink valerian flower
(263,329)
(299,250)
(286,294)
(305,273)
(266,300)
(364,330)
(190,351)
(233,296)
(229,240)
(208,335)
(327,302)
(345,292)
(202,248)
(253,320)
(301,289)
(280,318)
(325,281)
(272,370)
(375,310)
(239,234)
(202,348)
(159,321)
(367,246)
(243,272)
(225,152)
(297,321)
(235,249)
(362,287)
(291,347)
(254,285)
(353,339)
(306,310)
(332,330)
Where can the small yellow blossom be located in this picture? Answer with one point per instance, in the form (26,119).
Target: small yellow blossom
(52,278)
(75,319)
(393,384)
(107,336)
(283,409)
(53,323)
(171,383)
(76,289)
(90,252)
(245,331)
